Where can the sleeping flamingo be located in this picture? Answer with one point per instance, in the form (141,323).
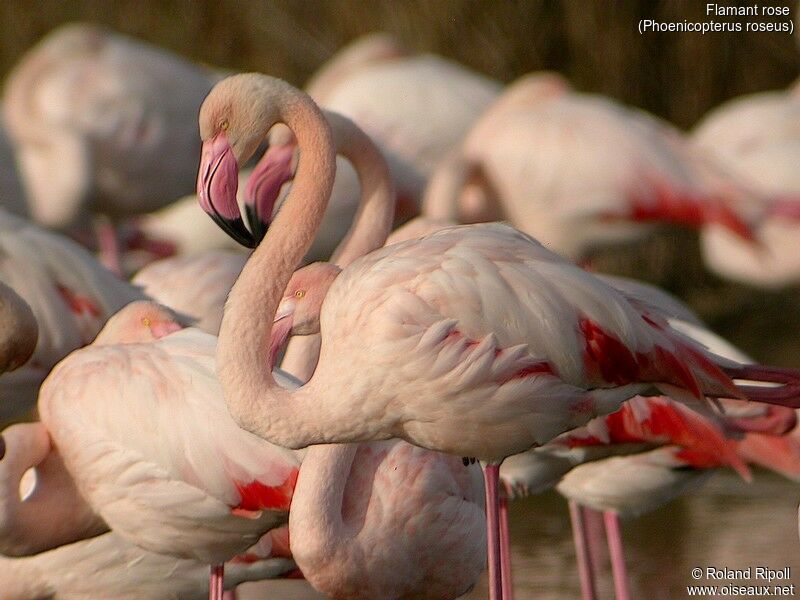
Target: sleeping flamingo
(195,285)
(578,171)
(18,330)
(71,296)
(756,139)
(418,107)
(474,341)
(694,444)
(103,124)
(202,488)
(365,51)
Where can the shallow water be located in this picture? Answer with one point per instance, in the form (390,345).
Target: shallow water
(726,523)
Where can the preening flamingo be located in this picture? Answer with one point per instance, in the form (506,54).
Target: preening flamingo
(103,124)
(71,296)
(578,171)
(419,107)
(108,566)
(139,419)
(475,341)
(40,507)
(19,330)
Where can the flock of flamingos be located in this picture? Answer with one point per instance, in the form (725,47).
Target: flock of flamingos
(428,374)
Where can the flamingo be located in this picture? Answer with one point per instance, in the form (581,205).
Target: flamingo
(108,566)
(40,507)
(139,420)
(195,285)
(71,296)
(419,107)
(578,171)
(383,519)
(755,139)
(474,341)
(692,446)
(103,124)
(365,51)
(19,330)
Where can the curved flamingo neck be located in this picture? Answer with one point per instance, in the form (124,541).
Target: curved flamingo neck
(316,525)
(254,398)
(373,221)
(370,228)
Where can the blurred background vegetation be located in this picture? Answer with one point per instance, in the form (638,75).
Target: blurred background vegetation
(594,42)
(678,76)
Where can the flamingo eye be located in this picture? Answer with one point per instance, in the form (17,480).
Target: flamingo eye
(224,125)
(299,293)
(146,321)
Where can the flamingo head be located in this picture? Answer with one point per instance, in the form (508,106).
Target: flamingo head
(234,119)
(139,322)
(299,309)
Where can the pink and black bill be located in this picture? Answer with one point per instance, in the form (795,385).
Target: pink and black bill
(218,182)
(264,185)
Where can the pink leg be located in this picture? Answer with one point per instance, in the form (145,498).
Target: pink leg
(617,556)
(594,533)
(505,551)
(491,475)
(582,552)
(215,582)
(109,246)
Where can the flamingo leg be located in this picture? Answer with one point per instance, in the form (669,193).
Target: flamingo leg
(109,245)
(216,581)
(491,476)
(594,534)
(505,552)
(582,552)
(618,568)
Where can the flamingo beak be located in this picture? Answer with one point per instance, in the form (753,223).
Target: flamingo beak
(264,185)
(217,182)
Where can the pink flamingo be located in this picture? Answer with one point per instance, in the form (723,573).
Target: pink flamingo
(207,490)
(71,296)
(578,171)
(508,344)
(108,566)
(40,507)
(384,519)
(103,124)
(755,140)
(195,285)
(418,107)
